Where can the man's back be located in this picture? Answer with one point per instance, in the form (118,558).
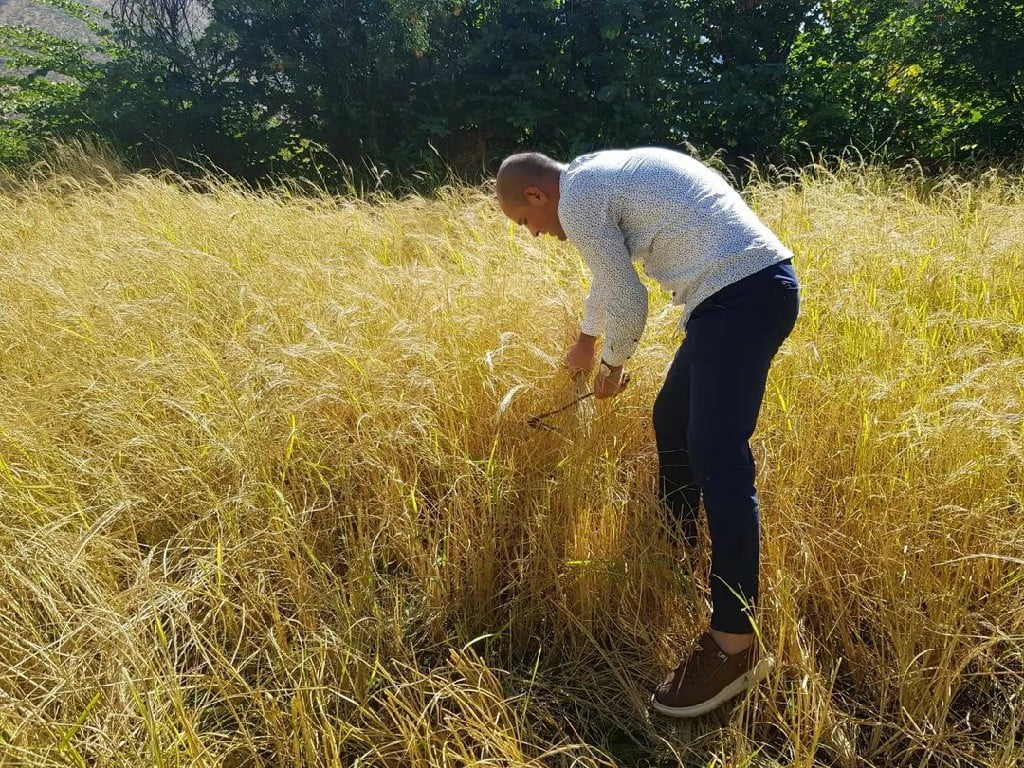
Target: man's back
(691,230)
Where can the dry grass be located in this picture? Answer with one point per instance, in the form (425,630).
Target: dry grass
(269,496)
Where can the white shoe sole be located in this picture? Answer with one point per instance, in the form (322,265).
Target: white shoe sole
(735,688)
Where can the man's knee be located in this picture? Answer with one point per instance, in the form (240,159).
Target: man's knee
(715,456)
(666,417)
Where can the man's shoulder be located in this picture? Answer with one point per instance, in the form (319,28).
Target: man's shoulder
(609,165)
(588,177)
(622,175)
(600,163)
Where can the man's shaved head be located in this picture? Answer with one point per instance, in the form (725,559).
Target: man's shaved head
(528,192)
(527,169)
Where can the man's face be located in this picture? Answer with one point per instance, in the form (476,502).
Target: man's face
(538,213)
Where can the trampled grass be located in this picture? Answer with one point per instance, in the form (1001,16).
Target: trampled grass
(269,495)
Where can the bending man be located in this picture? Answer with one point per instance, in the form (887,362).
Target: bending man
(693,233)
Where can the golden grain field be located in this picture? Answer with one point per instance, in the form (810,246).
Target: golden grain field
(268,494)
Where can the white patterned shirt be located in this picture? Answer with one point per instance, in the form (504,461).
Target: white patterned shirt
(687,227)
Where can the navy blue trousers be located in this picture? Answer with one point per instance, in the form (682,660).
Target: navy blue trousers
(704,416)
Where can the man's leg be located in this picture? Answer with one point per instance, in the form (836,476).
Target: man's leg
(733,338)
(733,346)
(725,398)
(677,488)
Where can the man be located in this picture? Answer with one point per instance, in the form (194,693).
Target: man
(693,233)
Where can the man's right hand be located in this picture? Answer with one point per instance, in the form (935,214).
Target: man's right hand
(581,356)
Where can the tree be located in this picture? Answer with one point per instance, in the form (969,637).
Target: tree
(265,88)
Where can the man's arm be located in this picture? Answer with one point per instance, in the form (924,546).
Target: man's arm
(630,299)
(618,290)
(581,356)
(594,314)
(617,301)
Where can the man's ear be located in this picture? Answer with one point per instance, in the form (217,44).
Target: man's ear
(535,195)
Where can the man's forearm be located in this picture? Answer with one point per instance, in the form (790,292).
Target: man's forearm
(588,341)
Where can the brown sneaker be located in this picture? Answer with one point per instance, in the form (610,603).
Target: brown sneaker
(709,678)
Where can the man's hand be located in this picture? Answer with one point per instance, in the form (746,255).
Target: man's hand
(581,356)
(609,381)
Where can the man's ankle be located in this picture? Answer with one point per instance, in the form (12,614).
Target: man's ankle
(732,643)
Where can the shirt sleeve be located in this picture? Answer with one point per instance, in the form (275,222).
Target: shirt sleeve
(617,298)
(593,314)
(617,295)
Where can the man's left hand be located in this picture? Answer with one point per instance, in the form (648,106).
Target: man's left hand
(609,381)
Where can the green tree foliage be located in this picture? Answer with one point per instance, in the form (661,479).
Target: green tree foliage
(736,66)
(938,80)
(336,75)
(973,75)
(289,87)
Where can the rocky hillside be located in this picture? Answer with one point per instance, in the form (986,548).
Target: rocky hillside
(33,14)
